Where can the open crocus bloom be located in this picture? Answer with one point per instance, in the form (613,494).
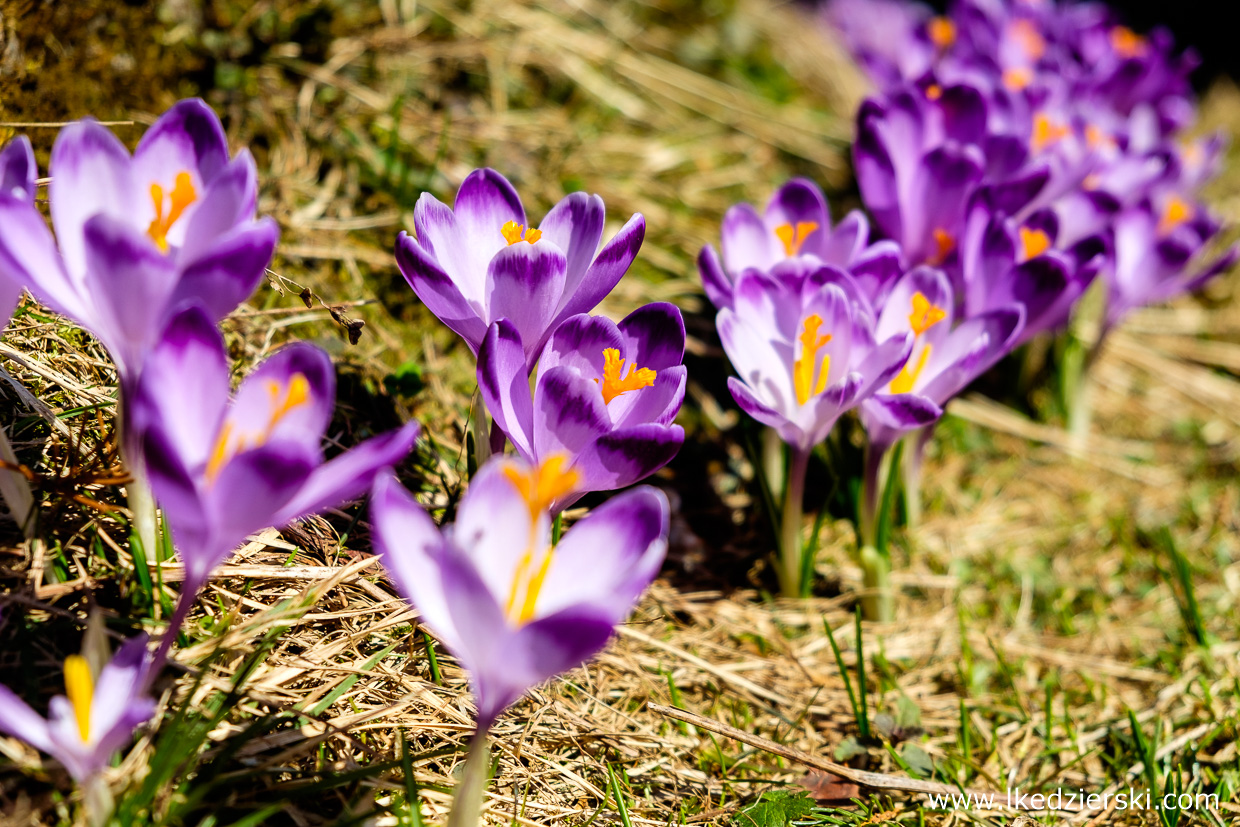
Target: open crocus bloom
(97,715)
(605,396)
(1006,262)
(796,222)
(791,334)
(481,261)
(224,469)
(511,607)
(17,186)
(137,236)
(1154,247)
(945,358)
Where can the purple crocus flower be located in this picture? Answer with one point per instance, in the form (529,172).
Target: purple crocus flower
(481,261)
(945,357)
(17,189)
(222,470)
(605,396)
(795,336)
(138,236)
(1155,246)
(96,717)
(796,222)
(514,609)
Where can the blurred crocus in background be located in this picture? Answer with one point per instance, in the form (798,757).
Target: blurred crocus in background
(224,468)
(138,236)
(605,397)
(101,709)
(802,342)
(514,609)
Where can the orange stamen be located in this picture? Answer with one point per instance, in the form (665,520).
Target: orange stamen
(1018,78)
(1046,132)
(1174,214)
(615,382)
(804,367)
(284,400)
(944,244)
(794,237)
(934,92)
(1033,243)
(925,315)
(179,199)
(546,483)
(1126,42)
(942,32)
(1027,36)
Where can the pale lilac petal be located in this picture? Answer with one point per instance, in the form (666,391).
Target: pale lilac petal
(523,285)
(624,456)
(20,721)
(264,392)
(228,201)
(439,292)
(253,486)
(575,225)
(609,266)
(486,202)
(569,413)
(18,171)
(578,343)
(715,281)
(28,256)
(747,241)
(503,381)
(186,138)
(229,274)
(657,404)
(654,336)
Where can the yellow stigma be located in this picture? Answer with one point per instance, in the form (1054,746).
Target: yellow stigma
(943,246)
(179,199)
(942,32)
(804,367)
(904,382)
(794,237)
(1126,42)
(1027,36)
(615,382)
(514,232)
(934,92)
(1174,214)
(1046,132)
(284,400)
(546,483)
(80,687)
(1033,243)
(1018,78)
(925,315)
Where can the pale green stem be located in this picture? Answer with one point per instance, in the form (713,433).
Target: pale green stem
(914,449)
(97,802)
(790,547)
(15,489)
(876,603)
(142,509)
(873,479)
(467,802)
(773,462)
(481,426)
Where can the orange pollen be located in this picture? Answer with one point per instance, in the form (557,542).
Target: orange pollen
(1033,243)
(179,199)
(1046,132)
(907,378)
(1095,137)
(1126,42)
(284,400)
(1192,153)
(944,244)
(615,382)
(1174,214)
(1018,78)
(804,367)
(942,32)
(925,315)
(1027,36)
(1091,182)
(934,92)
(794,237)
(546,483)
(514,232)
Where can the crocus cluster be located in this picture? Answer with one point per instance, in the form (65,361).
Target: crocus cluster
(820,321)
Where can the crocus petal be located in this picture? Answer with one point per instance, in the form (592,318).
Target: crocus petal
(746,240)
(503,380)
(847,242)
(654,336)
(18,171)
(607,559)
(230,273)
(575,225)
(438,291)
(485,203)
(133,282)
(569,413)
(228,201)
(524,282)
(347,476)
(715,281)
(901,411)
(759,410)
(626,455)
(20,721)
(90,176)
(28,256)
(177,492)
(265,391)
(657,404)
(119,682)
(188,137)
(609,265)
(578,343)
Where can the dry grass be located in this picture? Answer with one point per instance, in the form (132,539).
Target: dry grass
(1033,612)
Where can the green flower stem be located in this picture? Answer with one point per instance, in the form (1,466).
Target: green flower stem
(790,547)
(877,603)
(467,803)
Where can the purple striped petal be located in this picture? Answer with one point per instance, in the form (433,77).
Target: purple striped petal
(654,336)
(188,137)
(438,292)
(231,272)
(523,285)
(624,456)
(609,266)
(503,380)
(575,225)
(715,281)
(18,171)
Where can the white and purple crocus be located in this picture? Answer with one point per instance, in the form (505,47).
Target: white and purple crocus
(604,398)
(224,468)
(482,260)
(136,236)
